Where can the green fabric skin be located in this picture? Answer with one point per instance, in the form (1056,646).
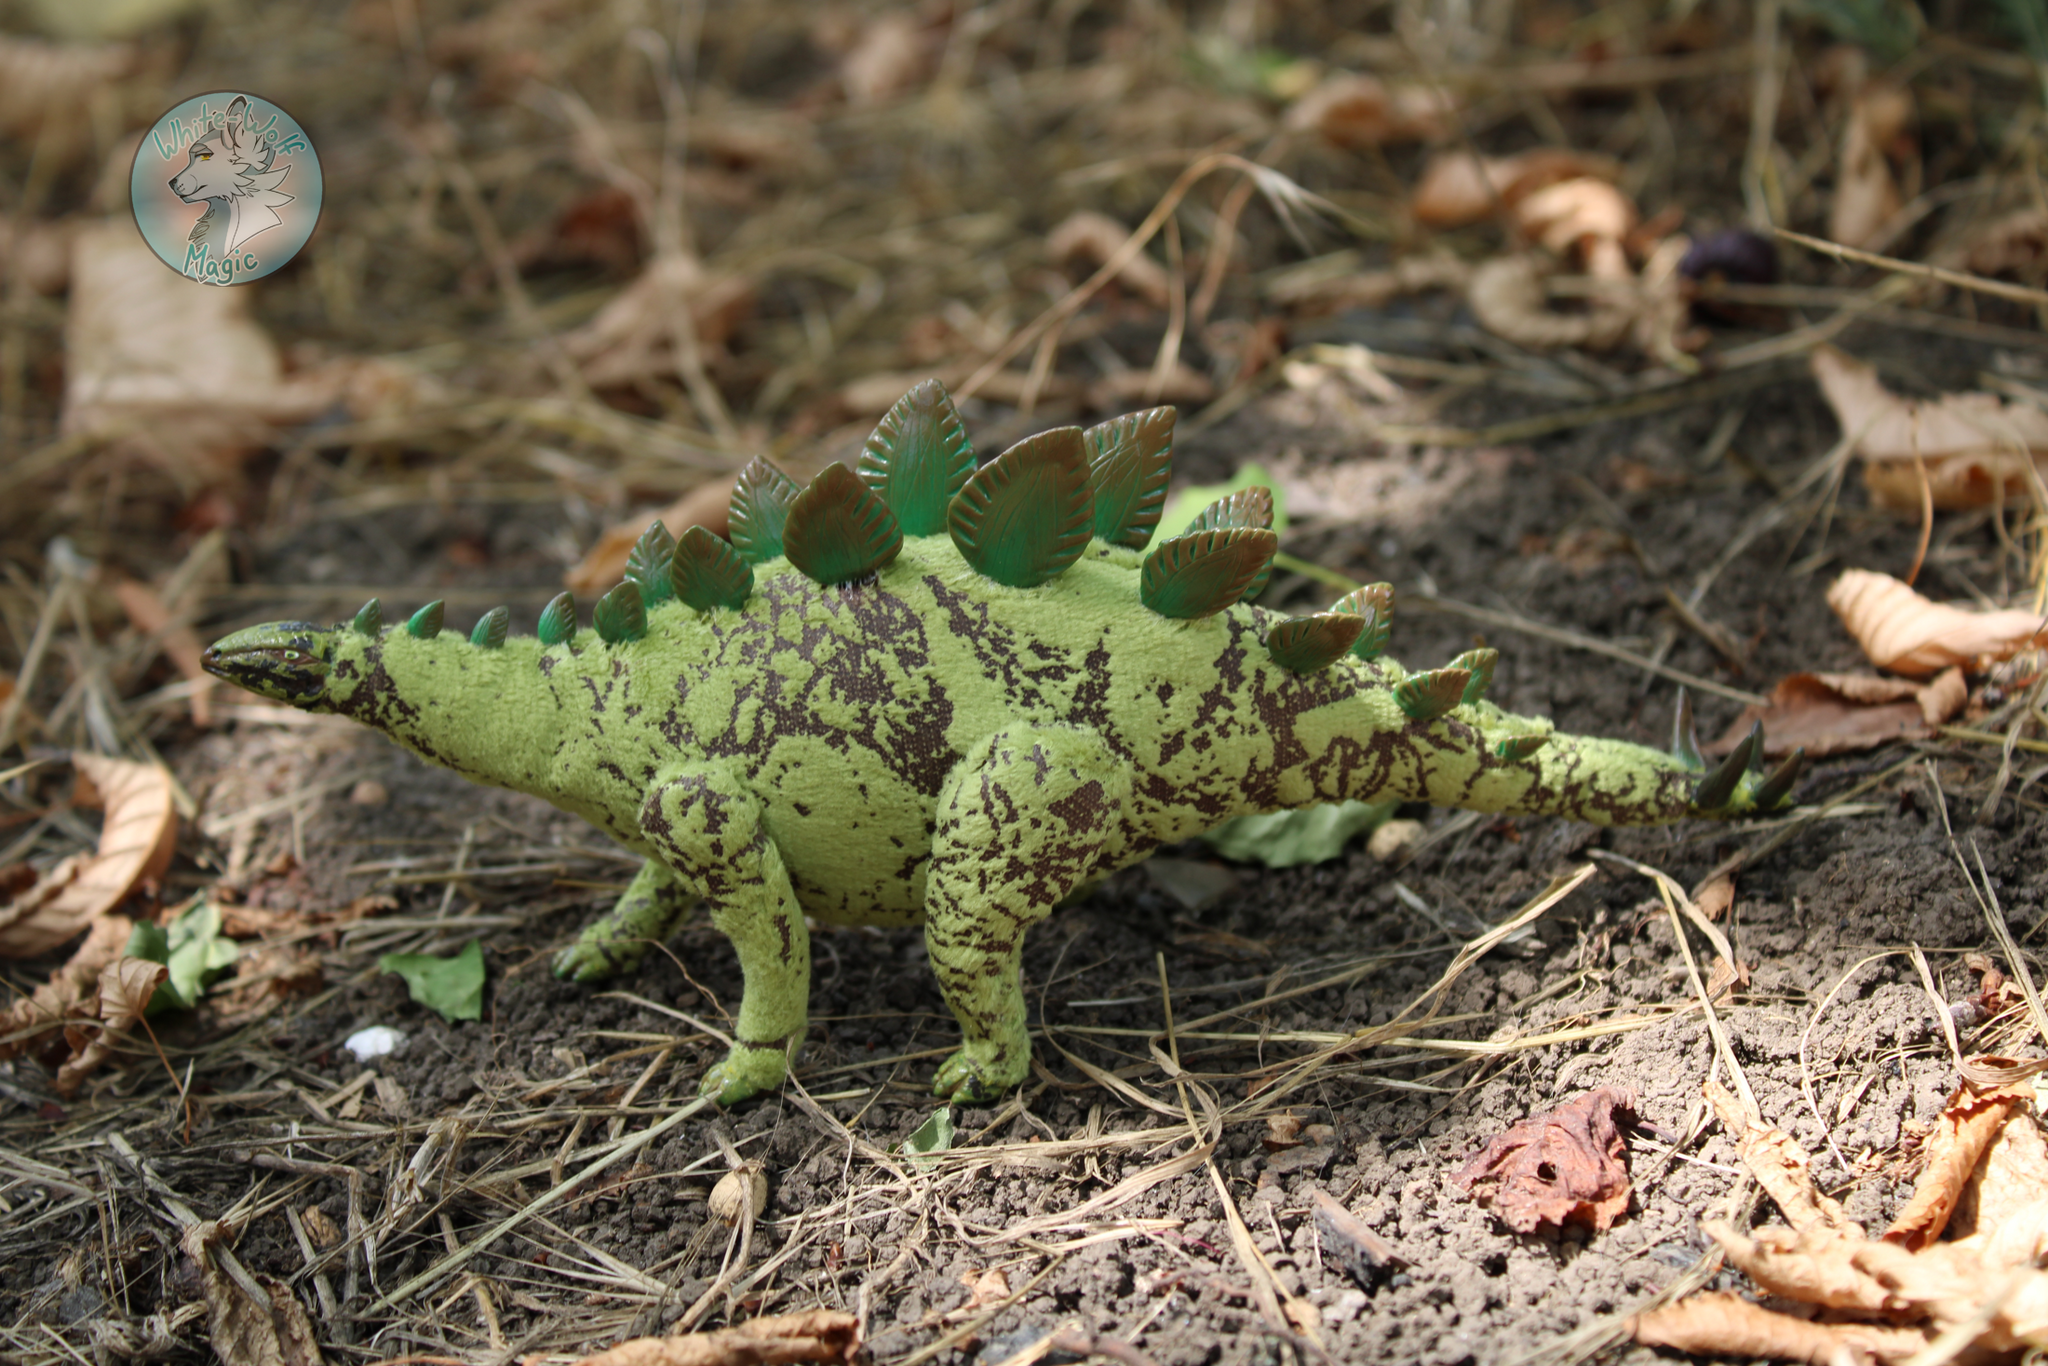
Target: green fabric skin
(925,746)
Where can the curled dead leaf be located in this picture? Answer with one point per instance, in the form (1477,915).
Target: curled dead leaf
(1962,450)
(1866,193)
(1968,1123)
(137,839)
(1585,215)
(741,1194)
(252,1320)
(1727,1325)
(821,1335)
(125,986)
(28,1022)
(1355,110)
(1564,1166)
(1840,713)
(1457,188)
(1905,632)
(1094,238)
(1507,295)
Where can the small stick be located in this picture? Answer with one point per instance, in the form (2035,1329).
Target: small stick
(1960,279)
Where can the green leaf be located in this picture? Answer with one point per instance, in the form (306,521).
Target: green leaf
(1027,514)
(451,987)
(705,572)
(1308,644)
(1129,460)
(621,616)
(919,458)
(839,529)
(558,620)
(933,1137)
(1202,573)
(1313,834)
(760,505)
(647,563)
(194,950)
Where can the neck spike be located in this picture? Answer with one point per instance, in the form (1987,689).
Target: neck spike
(919,458)
(558,620)
(761,496)
(621,616)
(839,530)
(647,563)
(425,624)
(705,572)
(490,628)
(369,618)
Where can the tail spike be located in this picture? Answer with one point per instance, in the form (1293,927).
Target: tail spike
(621,616)
(1308,644)
(1685,736)
(647,563)
(1516,748)
(1718,786)
(1772,791)
(1480,664)
(369,619)
(425,624)
(490,628)
(1428,695)
(1374,602)
(558,620)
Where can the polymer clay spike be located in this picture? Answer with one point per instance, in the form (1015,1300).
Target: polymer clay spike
(425,624)
(1718,785)
(621,616)
(1685,735)
(558,620)
(1516,748)
(1129,459)
(647,563)
(1198,575)
(1426,696)
(839,529)
(761,496)
(1027,514)
(369,618)
(705,572)
(1307,644)
(1374,602)
(1245,507)
(1775,789)
(490,628)
(1479,663)
(918,459)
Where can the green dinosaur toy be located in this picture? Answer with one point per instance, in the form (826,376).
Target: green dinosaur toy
(926,693)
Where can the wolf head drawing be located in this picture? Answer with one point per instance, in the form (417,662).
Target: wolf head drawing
(229,169)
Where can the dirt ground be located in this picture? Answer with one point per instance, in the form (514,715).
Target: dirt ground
(1096,1195)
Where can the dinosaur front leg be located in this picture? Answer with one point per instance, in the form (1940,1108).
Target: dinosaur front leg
(1022,821)
(653,905)
(705,823)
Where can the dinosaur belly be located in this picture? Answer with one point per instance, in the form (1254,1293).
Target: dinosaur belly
(855,837)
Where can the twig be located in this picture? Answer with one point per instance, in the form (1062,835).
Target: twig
(1960,279)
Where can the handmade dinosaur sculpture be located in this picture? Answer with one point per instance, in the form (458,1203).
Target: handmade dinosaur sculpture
(926,692)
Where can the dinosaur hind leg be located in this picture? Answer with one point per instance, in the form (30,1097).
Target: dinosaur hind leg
(653,905)
(1023,821)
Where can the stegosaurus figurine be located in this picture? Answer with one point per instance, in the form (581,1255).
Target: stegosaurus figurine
(923,692)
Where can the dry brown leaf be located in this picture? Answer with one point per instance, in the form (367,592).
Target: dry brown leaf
(815,1335)
(632,338)
(1565,1166)
(245,1330)
(136,842)
(1866,194)
(125,986)
(1968,1123)
(1354,110)
(1974,448)
(985,1287)
(2014,244)
(263,978)
(1902,631)
(30,1020)
(1840,713)
(707,506)
(1507,296)
(1457,188)
(1729,1326)
(1781,1166)
(1586,216)
(1094,238)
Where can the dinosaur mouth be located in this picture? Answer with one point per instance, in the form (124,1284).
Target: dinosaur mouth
(280,660)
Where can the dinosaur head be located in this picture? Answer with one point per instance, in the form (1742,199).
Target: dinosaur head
(287,660)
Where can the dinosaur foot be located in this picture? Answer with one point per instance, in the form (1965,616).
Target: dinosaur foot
(749,1070)
(981,1071)
(593,959)
(1738,785)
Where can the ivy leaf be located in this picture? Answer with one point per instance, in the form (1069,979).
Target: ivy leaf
(933,1137)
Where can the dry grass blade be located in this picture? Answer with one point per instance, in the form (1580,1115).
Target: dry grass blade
(1977,283)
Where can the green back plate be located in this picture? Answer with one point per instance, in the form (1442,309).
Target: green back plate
(1027,514)
(490,628)
(760,505)
(1306,644)
(558,620)
(1129,459)
(705,572)
(1246,507)
(839,529)
(647,563)
(425,624)
(1426,696)
(1200,574)
(1479,663)
(919,458)
(1519,747)
(369,618)
(621,615)
(1374,602)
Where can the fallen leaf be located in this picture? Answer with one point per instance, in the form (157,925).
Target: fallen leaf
(1567,1165)
(1781,1166)
(823,1335)
(29,1021)
(2013,244)
(706,505)
(1902,631)
(889,57)
(1726,1325)
(1968,1123)
(633,337)
(1840,713)
(1866,194)
(137,839)
(1586,217)
(453,987)
(247,1331)
(931,1138)
(125,988)
(985,1288)
(1962,450)
(265,978)
(1096,237)
(740,1195)
(1508,296)
(1457,188)
(1355,110)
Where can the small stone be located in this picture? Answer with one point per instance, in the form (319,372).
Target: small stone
(1393,839)
(368,792)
